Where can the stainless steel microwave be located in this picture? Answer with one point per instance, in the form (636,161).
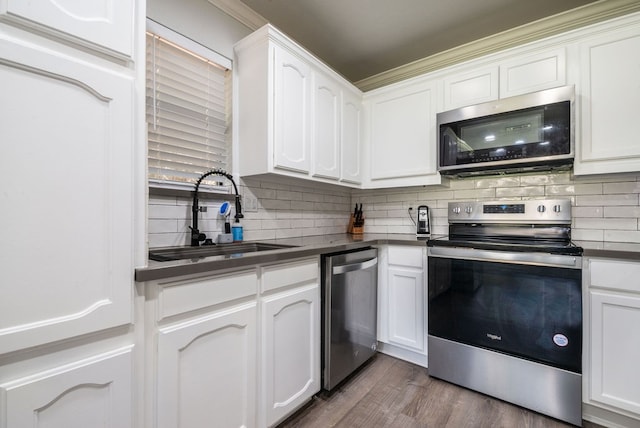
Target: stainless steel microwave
(531,132)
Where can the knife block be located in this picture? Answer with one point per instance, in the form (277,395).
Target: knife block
(352,228)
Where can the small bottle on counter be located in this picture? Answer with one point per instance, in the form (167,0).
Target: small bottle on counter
(236,231)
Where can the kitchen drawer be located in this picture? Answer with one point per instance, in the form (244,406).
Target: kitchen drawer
(182,296)
(406,256)
(290,274)
(614,274)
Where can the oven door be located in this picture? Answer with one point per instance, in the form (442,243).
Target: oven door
(527,305)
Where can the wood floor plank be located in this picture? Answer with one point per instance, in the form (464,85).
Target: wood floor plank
(392,393)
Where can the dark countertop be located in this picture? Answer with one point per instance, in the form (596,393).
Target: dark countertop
(304,247)
(326,244)
(611,250)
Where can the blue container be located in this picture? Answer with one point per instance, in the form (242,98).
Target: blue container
(236,231)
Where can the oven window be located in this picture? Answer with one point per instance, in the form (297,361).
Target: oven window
(527,311)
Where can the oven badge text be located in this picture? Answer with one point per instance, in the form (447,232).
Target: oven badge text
(494,336)
(560,340)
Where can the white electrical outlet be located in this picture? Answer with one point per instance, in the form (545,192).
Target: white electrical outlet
(250,204)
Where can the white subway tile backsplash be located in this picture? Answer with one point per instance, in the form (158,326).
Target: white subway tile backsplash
(621,187)
(607,200)
(622,212)
(528,191)
(620,236)
(605,208)
(606,223)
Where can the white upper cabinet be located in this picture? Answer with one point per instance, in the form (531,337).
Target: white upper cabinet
(289,111)
(66,167)
(104,25)
(470,87)
(292,96)
(351,137)
(401,135)
(533,72)
(326,127)
(609,100)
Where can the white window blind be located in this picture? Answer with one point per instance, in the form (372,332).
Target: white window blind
(187,112)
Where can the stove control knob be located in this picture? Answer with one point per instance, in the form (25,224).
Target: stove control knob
(541,208)
(468,210)
(557,208)
(456,210)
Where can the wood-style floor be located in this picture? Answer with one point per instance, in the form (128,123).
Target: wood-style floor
(388,392)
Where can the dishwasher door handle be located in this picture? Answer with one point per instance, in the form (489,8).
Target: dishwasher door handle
(351,267)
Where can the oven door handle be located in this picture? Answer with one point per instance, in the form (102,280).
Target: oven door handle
(537,259)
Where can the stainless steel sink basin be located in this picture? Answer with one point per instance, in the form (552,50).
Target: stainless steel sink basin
(180,253)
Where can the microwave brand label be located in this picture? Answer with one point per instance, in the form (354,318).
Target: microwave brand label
(494,336)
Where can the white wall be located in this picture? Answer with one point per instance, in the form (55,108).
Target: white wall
(199,20)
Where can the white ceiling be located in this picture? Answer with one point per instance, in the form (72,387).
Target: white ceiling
(361,38)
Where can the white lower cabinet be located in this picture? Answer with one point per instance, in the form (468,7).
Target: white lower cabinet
(290,338)
(207,370)
(612,339)
(402,311)
(91,392)
(229,353)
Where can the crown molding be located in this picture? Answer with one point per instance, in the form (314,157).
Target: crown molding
(556,24)
(241,12)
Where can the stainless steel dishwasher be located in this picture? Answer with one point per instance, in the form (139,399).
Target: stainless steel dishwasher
(349,315)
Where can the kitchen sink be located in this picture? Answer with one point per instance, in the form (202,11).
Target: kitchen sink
(180,253)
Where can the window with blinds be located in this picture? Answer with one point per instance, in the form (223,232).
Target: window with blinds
(187,111)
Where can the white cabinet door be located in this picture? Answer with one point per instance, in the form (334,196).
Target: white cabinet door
(612,343)
(406,308)
(290,351)
(105,25)
(66,168)
(609,100)
(615,350)
(292,99)
(533,72)
(351,140)
(402,135)
(93,392)
(206,370)
(326,127)
(472,87)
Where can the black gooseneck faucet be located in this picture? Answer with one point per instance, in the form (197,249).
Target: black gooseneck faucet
(196,236)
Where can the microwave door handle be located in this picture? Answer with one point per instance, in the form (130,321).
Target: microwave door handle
(352,267)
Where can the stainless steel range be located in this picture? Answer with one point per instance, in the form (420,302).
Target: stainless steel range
(505,304)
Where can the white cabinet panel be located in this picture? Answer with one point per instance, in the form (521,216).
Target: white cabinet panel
(402,135)
(609,96)
(290,351)
(206,370)
(533,72)
(66,164)
(292,99)
(406,308)
(93,392)
(402,306)
(477,86)
(326,127)
(351,139)
(96,23)
(615,350)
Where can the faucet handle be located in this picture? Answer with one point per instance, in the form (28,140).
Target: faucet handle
(196,236)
